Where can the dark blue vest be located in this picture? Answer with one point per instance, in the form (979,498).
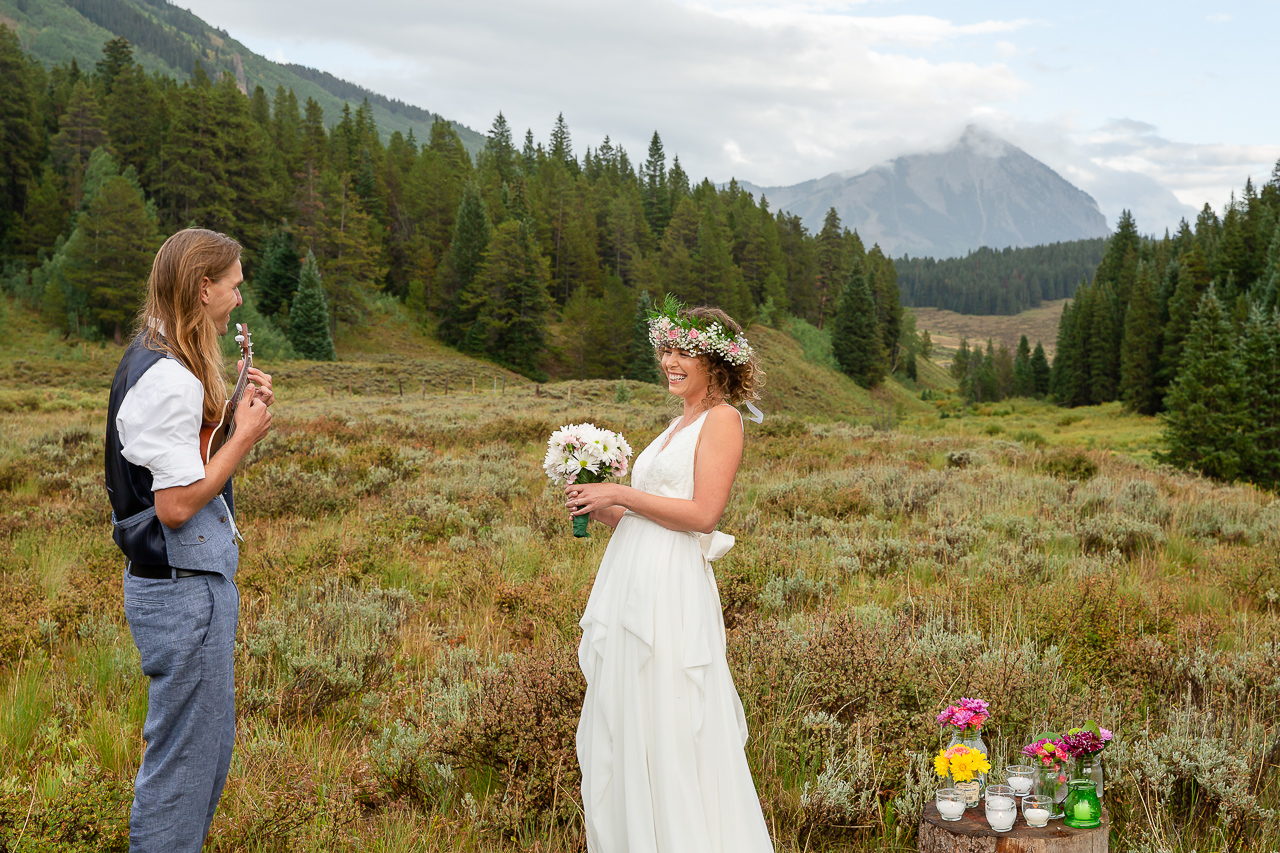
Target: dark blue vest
(129,485)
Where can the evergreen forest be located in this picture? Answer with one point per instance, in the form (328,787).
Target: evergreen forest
(1187,326)
(530,254)
(999,281)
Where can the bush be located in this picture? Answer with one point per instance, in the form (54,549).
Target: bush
(1070,465)
(318,647)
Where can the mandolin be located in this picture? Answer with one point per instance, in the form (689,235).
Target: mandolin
(213,436)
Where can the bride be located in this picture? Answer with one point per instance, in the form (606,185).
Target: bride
(662,732)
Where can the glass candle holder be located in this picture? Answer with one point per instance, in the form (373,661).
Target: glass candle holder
(1036,809)
(1002,807)
(1082,808)
(951,804)
(1020,777)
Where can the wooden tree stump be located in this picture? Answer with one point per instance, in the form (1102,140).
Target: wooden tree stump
(972,834)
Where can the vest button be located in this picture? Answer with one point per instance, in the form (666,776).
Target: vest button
(222,520)
(201,538)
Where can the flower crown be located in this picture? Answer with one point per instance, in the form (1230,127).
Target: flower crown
(668,329)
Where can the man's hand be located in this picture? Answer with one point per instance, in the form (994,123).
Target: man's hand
(252,419)
(261,383)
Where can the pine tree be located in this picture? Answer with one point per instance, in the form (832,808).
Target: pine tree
(117,58)
(657,196)
(834,264)
(80,131)
(641,363)
(21,148)
(1192,282)
(562,146)
(278,273)
(1024,381)
(499,151)
(1260,366)
(1205,416)
(110,254)
(509,301)
(471,233)
(1041,372)
(855,339)
(309,316)
(1104,367)
(1140,352)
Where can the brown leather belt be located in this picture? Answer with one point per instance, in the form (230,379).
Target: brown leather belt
(162,573)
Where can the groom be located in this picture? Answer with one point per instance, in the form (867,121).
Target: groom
(172,517)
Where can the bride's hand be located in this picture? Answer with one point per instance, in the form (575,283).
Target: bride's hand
(586,498)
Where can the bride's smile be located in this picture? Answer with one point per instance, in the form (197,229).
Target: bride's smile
(686,374)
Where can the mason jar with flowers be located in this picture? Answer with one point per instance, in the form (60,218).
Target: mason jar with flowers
(1053,768)
(962,725)
(961,767)
(1085,744)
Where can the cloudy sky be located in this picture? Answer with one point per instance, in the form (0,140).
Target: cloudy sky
(1157,107)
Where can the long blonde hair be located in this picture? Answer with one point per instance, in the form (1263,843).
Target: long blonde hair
(173,319)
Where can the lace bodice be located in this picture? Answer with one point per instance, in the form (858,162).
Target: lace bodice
(669,471)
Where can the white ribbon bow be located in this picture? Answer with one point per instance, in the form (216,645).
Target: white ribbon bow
(714,545)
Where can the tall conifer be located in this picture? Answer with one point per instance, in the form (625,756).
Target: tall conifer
(855,340)
(1140,352)
(1205,413)
(309,316)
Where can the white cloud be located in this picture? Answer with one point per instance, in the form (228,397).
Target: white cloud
(770,91)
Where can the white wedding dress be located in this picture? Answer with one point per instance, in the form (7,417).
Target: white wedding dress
(661,737)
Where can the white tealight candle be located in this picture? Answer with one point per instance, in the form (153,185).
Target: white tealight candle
(951,809)
(1036,817)
(998,803)
(1020,784)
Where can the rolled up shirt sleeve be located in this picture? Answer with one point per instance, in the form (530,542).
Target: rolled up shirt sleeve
(159,424)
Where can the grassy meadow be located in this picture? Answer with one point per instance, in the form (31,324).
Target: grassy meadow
(410,594)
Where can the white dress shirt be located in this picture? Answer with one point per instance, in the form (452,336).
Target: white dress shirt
(159,424)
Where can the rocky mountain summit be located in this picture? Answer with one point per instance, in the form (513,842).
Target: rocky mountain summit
(982,191)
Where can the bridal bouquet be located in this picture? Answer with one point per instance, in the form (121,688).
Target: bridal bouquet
(584,453)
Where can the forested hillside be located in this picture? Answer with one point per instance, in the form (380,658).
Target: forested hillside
(170,40)
(1188,326)
(999,281)
(530,254)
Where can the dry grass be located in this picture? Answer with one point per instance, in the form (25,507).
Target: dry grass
(946,328)
(410,600)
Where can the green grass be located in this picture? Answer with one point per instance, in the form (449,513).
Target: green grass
(410,597)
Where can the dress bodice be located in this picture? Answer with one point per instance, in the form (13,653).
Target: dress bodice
(668,471)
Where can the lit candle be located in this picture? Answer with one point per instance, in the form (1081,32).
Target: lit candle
(1020,785)
(951,809)
(999,803)
(1001,819)
(1036,817)
(1084,811)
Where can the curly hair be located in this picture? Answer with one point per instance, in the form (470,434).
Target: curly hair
(734,383)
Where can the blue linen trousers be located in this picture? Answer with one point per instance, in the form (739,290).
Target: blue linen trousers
(185,630)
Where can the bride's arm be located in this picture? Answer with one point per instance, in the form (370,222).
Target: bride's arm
(719,454)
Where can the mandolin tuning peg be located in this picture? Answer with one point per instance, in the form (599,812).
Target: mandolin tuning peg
(239,339)
(239,328)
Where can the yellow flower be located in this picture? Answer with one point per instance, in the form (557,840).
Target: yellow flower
(962,762)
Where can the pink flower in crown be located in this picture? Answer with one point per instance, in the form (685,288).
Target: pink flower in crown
(733,348)
(693,333)
(673,334)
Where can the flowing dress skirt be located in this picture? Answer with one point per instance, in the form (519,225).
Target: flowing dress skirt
(661,737)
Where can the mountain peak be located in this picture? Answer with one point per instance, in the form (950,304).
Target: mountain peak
(982,191)
(983,143)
